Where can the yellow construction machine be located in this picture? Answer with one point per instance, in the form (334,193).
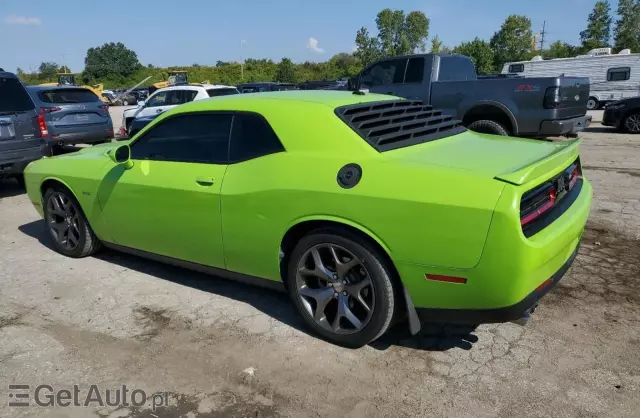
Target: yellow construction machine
(69,79)
(176,78)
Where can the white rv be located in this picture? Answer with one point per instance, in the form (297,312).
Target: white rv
(612,77)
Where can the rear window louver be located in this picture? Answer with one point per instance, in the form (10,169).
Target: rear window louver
(393,124)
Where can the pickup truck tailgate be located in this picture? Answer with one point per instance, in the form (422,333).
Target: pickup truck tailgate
(574,94)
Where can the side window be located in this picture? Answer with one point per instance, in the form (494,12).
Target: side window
(252,137)
(384,73)
(516,68)
(456,68)
(188,95)
(159,99)
(618,74)
(415,71)
(188,138)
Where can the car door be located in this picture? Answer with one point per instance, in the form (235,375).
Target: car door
(168,203)
(157,103)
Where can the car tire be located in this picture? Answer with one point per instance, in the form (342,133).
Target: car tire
(631,123)
(358,296)
(592,103)
(67,225)
(488,127)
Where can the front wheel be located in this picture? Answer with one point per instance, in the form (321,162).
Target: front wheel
(341,287)
(67,225)
(631,123)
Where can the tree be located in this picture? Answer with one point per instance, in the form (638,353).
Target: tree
(436,44)
(627,29)
(480,53)
(65,69)
(397,35)
(111,59)
(559,49)
(367,47)
(598,31)
(513,41)
(20,72)
(286,71)
(48,70)
(345,64)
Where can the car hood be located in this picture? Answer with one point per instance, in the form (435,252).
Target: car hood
(512,160)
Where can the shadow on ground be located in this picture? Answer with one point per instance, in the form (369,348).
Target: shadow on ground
(601,129)
(9,187)
(432,337)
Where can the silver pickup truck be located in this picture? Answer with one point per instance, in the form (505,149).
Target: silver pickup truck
(22,128)
(530,107)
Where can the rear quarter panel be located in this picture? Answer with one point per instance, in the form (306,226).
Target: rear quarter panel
(420,214)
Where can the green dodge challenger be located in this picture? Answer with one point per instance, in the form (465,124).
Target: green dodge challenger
(365,208)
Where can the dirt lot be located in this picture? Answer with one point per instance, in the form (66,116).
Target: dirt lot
(223,349)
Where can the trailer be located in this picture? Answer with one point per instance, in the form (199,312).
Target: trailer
(612,76)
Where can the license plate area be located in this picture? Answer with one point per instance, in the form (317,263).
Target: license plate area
(81,117)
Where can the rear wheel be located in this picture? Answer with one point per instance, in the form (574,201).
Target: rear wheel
(631,123)
(488,127)
(592,103)
(67,225)
(341,287)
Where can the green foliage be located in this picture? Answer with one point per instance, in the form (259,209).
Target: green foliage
(286,71)
(559,49)
(480,53)
(436,45)
(598,31)
(111,61)
(397,35)
(513,41)
(48,70)
(627,29)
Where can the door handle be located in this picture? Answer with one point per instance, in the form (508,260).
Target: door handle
(205,181)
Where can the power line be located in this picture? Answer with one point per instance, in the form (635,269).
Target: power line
(544,24)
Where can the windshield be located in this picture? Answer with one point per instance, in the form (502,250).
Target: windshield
(222,92)
(67,80)
(68,96)
(13,96)
(179,78)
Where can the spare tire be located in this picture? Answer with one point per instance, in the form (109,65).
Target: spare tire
(488,127)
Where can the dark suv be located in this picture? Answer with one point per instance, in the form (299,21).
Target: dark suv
(21,128)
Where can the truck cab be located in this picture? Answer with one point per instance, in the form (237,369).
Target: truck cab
(536,107)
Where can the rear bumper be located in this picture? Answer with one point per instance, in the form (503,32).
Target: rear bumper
(81,138)
(14,162)
(497,315)
(564,126)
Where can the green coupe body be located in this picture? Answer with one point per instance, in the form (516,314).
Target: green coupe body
(443,208)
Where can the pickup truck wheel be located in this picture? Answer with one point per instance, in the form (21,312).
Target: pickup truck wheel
(592,103)
(488,127)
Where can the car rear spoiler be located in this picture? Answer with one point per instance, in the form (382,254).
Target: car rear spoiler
(562,157)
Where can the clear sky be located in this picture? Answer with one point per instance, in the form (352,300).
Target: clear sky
(166,33)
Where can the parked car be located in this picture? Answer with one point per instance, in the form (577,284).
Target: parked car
(623,115)
(531,107)
(72,115)
(167,98)
(265,86)
(22,127)
(400,210)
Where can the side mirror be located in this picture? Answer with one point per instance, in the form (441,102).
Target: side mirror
(122,155)
(141,103)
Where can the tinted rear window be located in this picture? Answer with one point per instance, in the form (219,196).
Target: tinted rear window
(221,92)
(13,96)
(61,96)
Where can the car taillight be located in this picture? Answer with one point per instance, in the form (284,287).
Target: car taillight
(552,98)
(42,124)
(537,205)
(575,175)
(44,110)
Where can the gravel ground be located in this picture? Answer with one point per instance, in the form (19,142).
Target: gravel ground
(218,348)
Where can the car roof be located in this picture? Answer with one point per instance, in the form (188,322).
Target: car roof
(45,88)
(329,98)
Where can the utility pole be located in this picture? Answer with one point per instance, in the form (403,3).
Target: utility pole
(544,24)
